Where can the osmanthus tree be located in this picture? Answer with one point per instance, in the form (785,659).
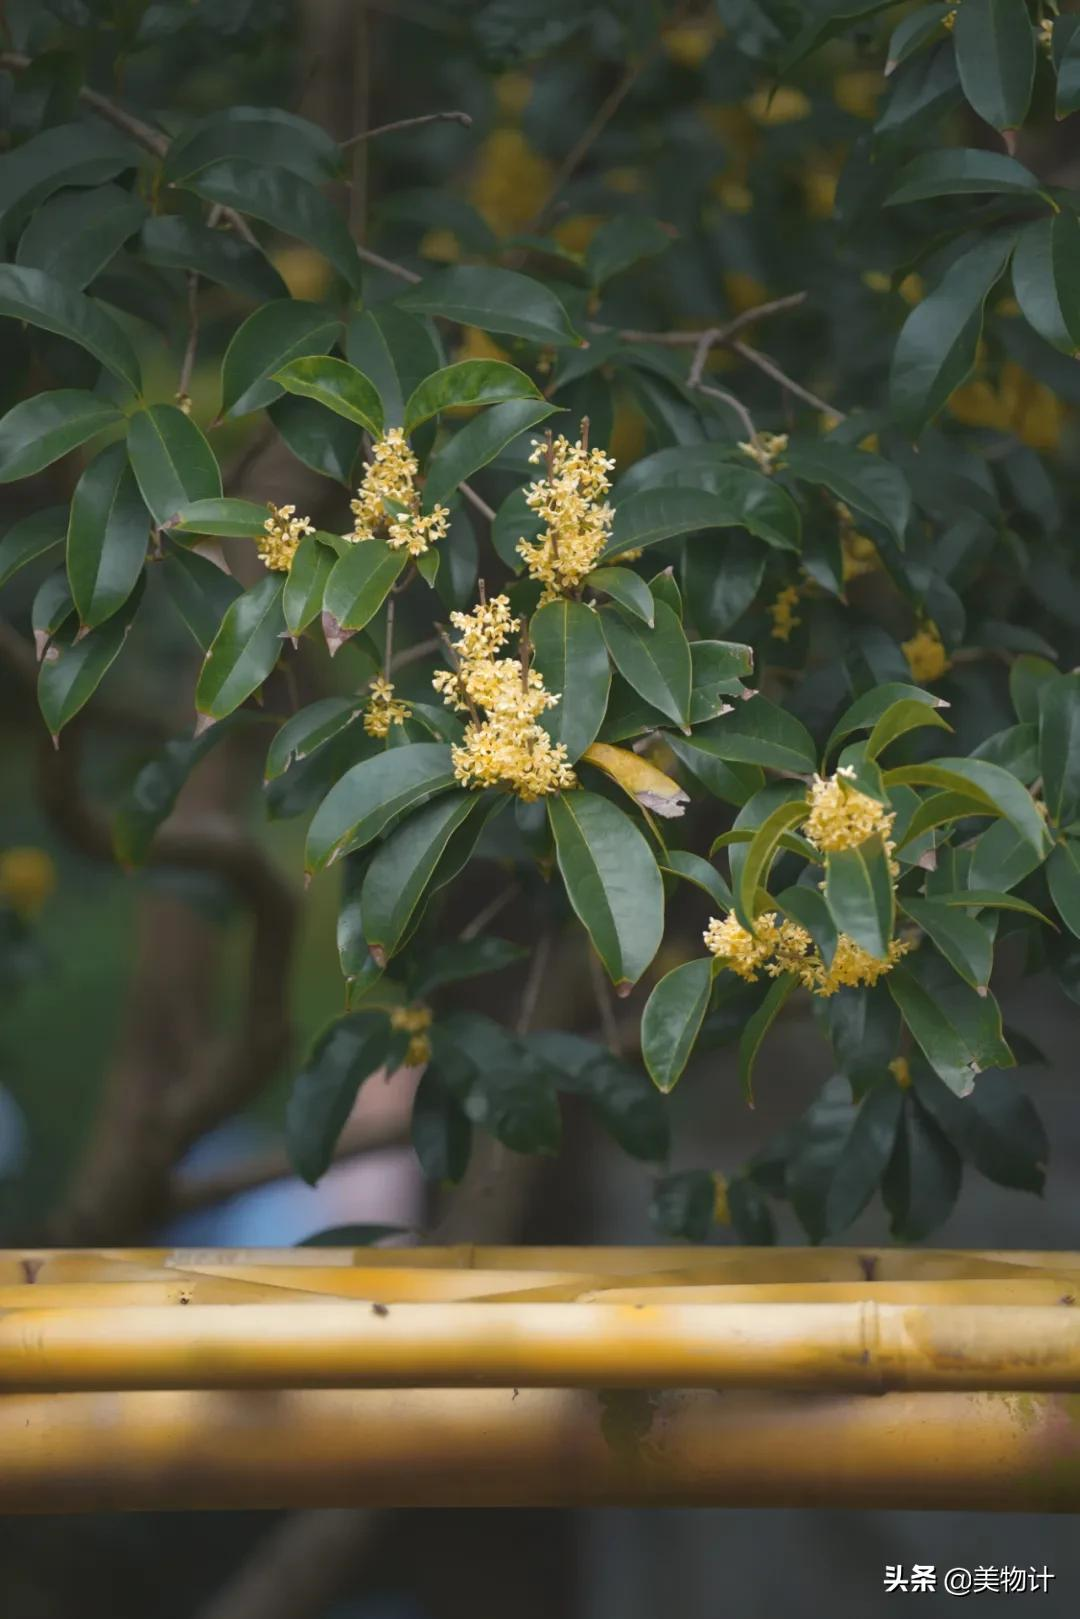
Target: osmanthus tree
(794,667)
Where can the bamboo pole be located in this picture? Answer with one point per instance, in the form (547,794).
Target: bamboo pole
(110,1452)
(862,1346)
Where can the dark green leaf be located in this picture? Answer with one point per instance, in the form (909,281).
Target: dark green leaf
(338,386)
(978,779)
(322,441)
(693,869)
(672,1020)
(305,583)
(108,532)
(82,154)
(684,1205)
(370,795)
(174,243)
(757,732)
(287,202)
(760,854)
(655,662)
(32,537)
(1046,280)
(397,351)
(325,1090)
(267,135)
(859,894)
(743,499)
(995,56)
(569,652)
(244,651)
(171,460)
(478,443)
(234,519)
(73,236)
(626,588)
(268,340)
(441,1133)
(867,483)
(361,580)
(923,1179)
(957,1030)
(307,730)
(72,669)
(469,382)
(612,881)
(201,592)
(864,1158)
(463,959)
(1027,676)
(963,941)
(495,301)
(962,171)
(37,431)
(866,710)
(996,1128)
(403,866)
(1059,747)
(154,792)
(758,1026)
(1063,875)
(622,242)
(1067,61)
(32,296)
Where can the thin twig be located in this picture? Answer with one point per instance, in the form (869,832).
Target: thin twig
(408,123)
(716,335)
(534,982)
(602,995)
(477,501)
(183,392)
(489,912)
(771,369)
(388,651)
(389,265)
(734,404)
(414,654)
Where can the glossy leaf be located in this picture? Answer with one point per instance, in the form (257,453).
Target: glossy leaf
(757,1027)
(153,794)
(569,652)
(403,866)
(396,350)
(495,300)
(478,443)
(468,383)
(307,730)
(865,1156)
(361,580)
(958,1030)
(372,794)
(627,589)
(693,869)
(172,461)
(232,519)
(964,942)
(859,894)
(201,592)
(622,242)
(73,236)
(979,779)
(441,1133)
(268,340)
(757,732)
(38,431)
(867,710)
(907,714)
(245,649)
(76,154)
(747,501)
(266,135)
(1059,747)
(962,172)
(672,1020)
(108,532)
(995,56)
(33,296)
(760,854)
(338,386)
(1046,279)
(325,1090)
(32,537)
(73,668)
(612,881)
(867,483)
(174,243)
(655,662)
(1063,875)
(286,201)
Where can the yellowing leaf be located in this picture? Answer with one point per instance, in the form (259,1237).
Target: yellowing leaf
(645,784)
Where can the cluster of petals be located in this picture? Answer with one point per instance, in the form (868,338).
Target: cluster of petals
(383,709)
(569,500)
(282,533)
(841,817)
(387,503)
(777,947)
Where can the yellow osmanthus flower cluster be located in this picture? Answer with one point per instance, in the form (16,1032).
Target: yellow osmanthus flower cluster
(765,450)
(926,655)
(504,745)
(783,614)
(778,947)
(900,1069)
(859,554)
(283,531)
(569,498)
(387,504)
(841,817)
(415,1021)
(27,878)
(383,708)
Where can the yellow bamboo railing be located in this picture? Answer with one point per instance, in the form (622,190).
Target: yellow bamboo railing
(201,1378)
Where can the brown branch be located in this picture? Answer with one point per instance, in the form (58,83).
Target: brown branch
(477,501)
(534,982)
(733,404)
(408,123)
(183,391)
(298,1568)
(489,912)
(771,369)
(713,335)
(416,653)
(602,995)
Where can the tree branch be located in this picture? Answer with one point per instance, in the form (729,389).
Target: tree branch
(408,123)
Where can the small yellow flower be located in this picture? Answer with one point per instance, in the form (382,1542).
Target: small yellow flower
(1046,34)
(383,708)
(926,655)
(504,743)
(387,504)
(27,878)
(415,1021)
(743,291)
(900,1070)
(569,499)
(841,817)
(511,182)
(857,92)
(765,450)
(783,614)
(785,947)
(284,531)
(785,105)
(743,952)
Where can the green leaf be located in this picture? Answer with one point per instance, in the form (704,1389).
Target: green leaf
(938,342)
(73,668)
(478,443)
(361,580)
(79,154)
(1059,747)
(757,1027)
(173,243)
(969,171)
(201,592)
(957,1029)
(907,714)
(684,1205)
(866,710)
(403,866)
(964,942)
(1002,858)
(760,855)
(693,869)
(171,460)
(32,537)
(1068,71)
(672,1019)
(745,500)
(914,31)
(757,732)
(518,1108)
(495,301)
(622,242)
(1027,676)
(324,442)
(38,431)
(245,649)
(569,652)
(821,23)
(470,382)
(806,906)
(441,1133)
(108,532)
(287,202)
(716,670)
(1046,281)
(859,894)
(626,588)
(922,1182)
(655,662)
(995,56)
(233,519)
(396,350)
(269,136)
(309,729)
(996,1129)
(153,793)
(338,386)
(73,236)
(268,340)
(305,583)
(324,1092)
(464,959)
(1063,875)
(983,781)
(864,1158)
(612,881)
(978,897)
(372,794)
(32,296)
(865,482)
